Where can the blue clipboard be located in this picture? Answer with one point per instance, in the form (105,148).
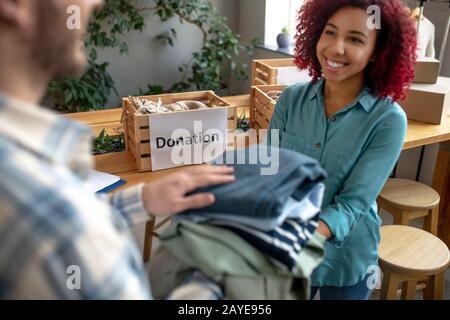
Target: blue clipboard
(112,187)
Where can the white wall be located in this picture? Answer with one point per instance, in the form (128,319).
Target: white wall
(251,25)
(251,19)
(149,61)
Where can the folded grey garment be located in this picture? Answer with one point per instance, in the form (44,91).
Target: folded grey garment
(255,195)
(175,107)
(190,105)
(185,106)
(152,109)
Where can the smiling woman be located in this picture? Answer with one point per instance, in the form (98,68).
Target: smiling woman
(348,120)
(391,66)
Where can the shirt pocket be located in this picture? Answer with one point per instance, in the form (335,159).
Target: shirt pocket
(292,142)
(345,161)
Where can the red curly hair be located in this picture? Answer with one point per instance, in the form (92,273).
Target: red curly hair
(395,53)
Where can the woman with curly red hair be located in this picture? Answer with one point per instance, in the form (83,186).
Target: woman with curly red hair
(348,119)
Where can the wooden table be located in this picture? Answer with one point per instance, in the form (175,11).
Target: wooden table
(419,134)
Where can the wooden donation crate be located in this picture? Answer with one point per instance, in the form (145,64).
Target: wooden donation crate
(138,131)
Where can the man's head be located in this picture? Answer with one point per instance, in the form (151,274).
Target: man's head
(48,33)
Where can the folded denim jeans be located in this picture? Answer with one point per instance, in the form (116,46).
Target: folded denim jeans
(254,195)
(303,210)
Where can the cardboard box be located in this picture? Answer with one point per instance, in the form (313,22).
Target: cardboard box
(167,140)
(428,102)
(426,70)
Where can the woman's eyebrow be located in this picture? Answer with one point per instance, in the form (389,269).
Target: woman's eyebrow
(359,33)
(352,31)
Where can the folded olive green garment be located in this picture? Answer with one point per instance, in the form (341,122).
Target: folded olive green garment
(230,261)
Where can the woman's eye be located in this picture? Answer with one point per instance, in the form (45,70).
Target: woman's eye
(329,32)
(356,40)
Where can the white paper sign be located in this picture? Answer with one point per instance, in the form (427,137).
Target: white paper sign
(186,138)
(292,75)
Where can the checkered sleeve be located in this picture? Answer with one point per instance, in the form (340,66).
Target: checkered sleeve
(130,205)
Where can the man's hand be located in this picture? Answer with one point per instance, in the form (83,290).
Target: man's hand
(167,196)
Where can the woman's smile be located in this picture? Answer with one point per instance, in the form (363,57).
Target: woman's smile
(335,65)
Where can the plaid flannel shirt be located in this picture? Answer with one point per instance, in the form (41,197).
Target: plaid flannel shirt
(58,240)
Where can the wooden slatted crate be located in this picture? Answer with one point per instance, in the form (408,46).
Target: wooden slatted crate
(262,106)
(137,130)
(267,72)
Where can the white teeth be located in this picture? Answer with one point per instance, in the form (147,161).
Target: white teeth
(335,64)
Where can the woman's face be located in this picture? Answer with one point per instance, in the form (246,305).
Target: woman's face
(346,45)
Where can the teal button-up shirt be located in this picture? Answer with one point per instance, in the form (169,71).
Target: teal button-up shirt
(358,147)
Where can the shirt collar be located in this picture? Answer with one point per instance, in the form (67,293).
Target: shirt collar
(46,134)
(365,99)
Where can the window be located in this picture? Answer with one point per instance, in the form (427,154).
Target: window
(280,14)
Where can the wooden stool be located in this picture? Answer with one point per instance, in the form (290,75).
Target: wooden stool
(150,232)
(408,255)
(407,200)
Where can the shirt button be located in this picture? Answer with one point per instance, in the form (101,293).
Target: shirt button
(318,145)
(333,118)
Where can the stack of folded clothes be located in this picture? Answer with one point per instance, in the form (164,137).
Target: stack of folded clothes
(257,241)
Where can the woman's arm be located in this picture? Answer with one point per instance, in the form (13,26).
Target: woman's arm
(367,178)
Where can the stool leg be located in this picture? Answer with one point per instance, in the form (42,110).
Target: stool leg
(390,286)
(431,221)
(148,239)
(409,290)
(435,287)
(401,218)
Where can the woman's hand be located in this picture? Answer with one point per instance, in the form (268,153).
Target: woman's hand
(324,230)
(167,196)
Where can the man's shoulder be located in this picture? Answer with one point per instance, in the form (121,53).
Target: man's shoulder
(32,190)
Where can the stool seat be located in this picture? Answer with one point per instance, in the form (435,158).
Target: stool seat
(409,250)
(409,195)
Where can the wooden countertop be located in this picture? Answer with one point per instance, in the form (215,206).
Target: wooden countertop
(418,134)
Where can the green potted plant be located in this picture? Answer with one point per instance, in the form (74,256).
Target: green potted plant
(104,143)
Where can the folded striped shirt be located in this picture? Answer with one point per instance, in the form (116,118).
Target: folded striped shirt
(282,244)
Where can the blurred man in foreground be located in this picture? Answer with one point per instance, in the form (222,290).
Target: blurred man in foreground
(50,225)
